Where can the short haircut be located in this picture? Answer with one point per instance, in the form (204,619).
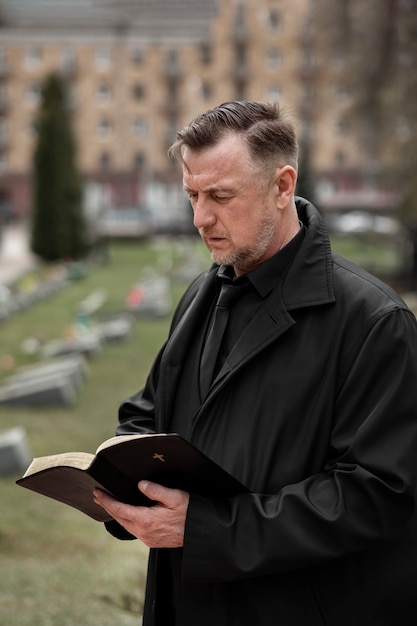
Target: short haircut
(265,126)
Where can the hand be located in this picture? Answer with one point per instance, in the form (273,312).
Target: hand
(158,526)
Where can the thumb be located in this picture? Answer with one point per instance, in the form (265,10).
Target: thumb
(170,498)
(153,491)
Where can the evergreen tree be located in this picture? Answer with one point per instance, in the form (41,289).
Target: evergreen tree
(59,228)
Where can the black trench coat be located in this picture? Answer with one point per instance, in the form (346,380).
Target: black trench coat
(316,412)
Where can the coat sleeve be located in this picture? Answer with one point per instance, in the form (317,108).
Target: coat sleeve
(138,413)
(364,495)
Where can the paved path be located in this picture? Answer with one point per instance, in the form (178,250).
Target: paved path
(15,256)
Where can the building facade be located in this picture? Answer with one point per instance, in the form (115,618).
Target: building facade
(138,71)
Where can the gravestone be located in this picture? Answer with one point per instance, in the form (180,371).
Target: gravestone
(153,298)
(87,343)
(57,389)
(73,366)
(15,454)
(118,328)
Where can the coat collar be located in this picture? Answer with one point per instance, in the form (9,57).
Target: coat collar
(305,277)
(308,282)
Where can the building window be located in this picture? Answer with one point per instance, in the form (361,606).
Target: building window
(273,92)
(68,60)
(140,161)
(3,60)
(403,130)
(172,88)
(104,93)
(103,58)
(338,62)
(172,64)
(71,96)
(273,59)
(3,95)
(340,93)
(3,161)
(138,56)
(140,127)
(171,130)
(206,90)
(341,126)
(33,94)
(34,127)
(33,57)
(3,130)
(339,158)
(206,53)
(307,94)
(138,92)
(104,162)
(308,131)
(105,128)
(307,59)
(274,21)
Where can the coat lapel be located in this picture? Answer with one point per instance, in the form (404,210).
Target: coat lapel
(188,330)
(307,283)
(271,321)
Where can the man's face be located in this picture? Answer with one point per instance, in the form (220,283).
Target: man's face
(234,203)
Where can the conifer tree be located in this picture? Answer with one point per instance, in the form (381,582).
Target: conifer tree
(59,228)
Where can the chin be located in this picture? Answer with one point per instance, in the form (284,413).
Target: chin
(221,259)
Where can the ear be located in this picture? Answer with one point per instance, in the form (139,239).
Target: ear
(286,180)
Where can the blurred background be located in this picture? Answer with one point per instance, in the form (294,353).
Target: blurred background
(135,71)
(96,236)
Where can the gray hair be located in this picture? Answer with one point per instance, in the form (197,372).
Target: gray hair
(265,126)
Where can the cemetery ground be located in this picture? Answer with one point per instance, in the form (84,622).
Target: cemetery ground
(59,567)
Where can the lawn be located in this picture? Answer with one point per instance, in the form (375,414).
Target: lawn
(380,254)
(58,566)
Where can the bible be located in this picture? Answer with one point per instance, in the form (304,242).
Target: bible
(119,464)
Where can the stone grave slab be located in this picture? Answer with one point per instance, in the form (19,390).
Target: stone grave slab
(15,454)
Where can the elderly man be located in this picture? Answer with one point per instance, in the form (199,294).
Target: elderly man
(310,401)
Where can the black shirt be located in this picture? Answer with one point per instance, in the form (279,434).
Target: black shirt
(255,286)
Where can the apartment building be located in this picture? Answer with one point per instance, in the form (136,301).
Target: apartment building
(137,71)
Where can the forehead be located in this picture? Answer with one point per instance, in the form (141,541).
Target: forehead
(228,159)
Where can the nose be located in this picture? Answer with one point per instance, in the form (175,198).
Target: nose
(204,214)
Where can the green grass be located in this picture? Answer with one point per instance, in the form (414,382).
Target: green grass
(380,254)
(58,566)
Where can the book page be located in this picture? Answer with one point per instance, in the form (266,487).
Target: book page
(122,438)
(81,460)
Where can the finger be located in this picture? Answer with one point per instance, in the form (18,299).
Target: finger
(170,498)
(117,510)
(101,497)
(112,506)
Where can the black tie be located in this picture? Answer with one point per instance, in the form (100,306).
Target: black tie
(209,358)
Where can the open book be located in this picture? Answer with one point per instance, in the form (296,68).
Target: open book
(119,464)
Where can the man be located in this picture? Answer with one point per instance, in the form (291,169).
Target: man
(312,405)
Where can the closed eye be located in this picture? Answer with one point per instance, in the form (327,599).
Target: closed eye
(221,198)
